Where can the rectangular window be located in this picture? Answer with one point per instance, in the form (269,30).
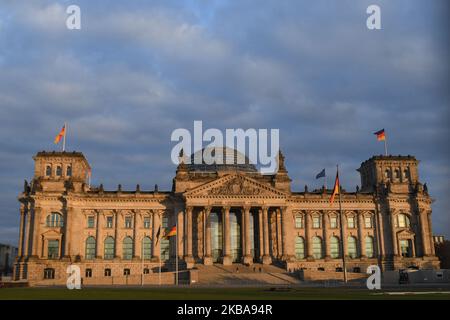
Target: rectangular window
(299,222)
(333,223)
(316,222)
(91,222)
(147,223)
(107,272)
(109,222)
(126,272)
(53,249)
(368,222)
(165,222)
(351,222)
(88,273)
(128,222)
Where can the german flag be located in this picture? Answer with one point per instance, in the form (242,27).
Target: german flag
(381,136)
(171,233)
(60,135)
(335,189)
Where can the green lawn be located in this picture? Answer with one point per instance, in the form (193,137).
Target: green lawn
(211,293)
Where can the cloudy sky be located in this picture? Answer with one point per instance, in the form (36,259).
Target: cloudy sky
(137,70)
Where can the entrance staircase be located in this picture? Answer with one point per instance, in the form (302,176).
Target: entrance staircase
(242,275)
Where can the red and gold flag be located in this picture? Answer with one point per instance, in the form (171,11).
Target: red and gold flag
(172,232)
(335,189)
(60,135)
(381,135)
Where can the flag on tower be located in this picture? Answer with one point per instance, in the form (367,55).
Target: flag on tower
(335,189)
(60,135)
(381,136)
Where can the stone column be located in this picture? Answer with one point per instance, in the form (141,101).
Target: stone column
(343,225)
(326,233)
(27,233)
(267,259)
(286,227)
(394,236)
(424,232)
(308,240)
(97,233)
(378,217)
(180,234)
(279,234)
(261,235)
(117,242)
(137,245)
(226,259)
(188,257)
(67,233)
(207,260)
(430,233)
(362,244)
(21,230)
(34,228)
(248,259)
(156,243)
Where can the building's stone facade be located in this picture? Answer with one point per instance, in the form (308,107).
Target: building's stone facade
(224,214)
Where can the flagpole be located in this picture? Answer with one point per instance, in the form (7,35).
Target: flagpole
(325,181)
(160,264)
(142,279)
(176,250)
(64,137)
(385,146)
(344,265)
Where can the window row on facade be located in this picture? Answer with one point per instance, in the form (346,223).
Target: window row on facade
(56,220)
(58,170)
(318,246)
(49,273)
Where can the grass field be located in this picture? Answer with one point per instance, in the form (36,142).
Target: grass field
(216,294)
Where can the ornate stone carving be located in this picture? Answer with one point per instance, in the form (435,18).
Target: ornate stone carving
(236,186)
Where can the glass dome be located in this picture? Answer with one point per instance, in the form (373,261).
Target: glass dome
(220,159)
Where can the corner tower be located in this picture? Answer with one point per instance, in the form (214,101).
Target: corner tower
(399,173)
(54,171)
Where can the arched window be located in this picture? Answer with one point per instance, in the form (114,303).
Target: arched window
(334,247)
(403,221)
(370,253)
(90,248)
(317,248)
(109,248)
(352,249)
(387,174)
(54,220)
(59,171)
(299,248)
(405,174)
(127,247)
(147,247)
(397,174)
(69,171)
(48,171)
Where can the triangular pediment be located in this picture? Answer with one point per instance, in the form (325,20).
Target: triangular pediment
(405,233)
(51,233)
(235,185)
